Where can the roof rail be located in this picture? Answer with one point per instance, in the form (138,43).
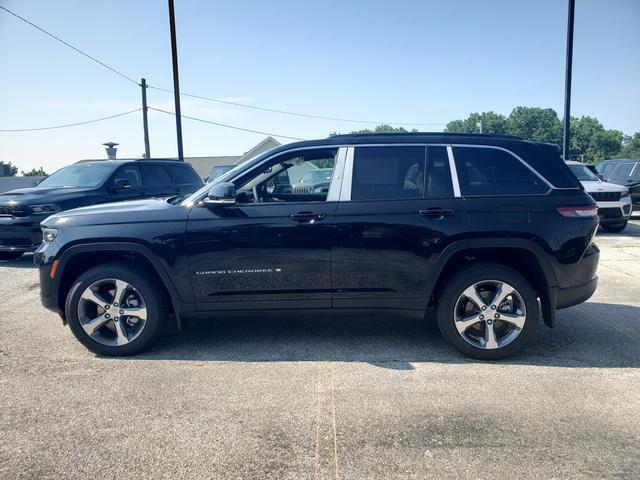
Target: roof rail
(430,134)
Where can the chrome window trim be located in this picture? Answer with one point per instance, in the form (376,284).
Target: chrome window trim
(347,177)
(454,172)
(335,186)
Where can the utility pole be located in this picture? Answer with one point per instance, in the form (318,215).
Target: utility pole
(567,81)
(176,83)
(145,122)
(479,125)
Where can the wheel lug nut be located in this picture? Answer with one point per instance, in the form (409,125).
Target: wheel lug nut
(115,304)
(484,308)
(107,307)
(115,319)
(121,312)
(493,307)
(481,317)
(497,315)
(106,315)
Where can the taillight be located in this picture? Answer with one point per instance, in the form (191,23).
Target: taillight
(578,212)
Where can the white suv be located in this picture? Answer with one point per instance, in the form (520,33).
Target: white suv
(614,202)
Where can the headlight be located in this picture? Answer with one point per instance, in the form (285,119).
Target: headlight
(625,194)
(49,235)
(50,208)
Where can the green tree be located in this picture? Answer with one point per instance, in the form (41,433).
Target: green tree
(591,142)
(630,146)
(35,173)
(11,171)
(382,128)
(491,123)
(537,124)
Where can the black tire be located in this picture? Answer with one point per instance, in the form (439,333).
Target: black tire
(614,228)
(10,255)
(454,288)
(149,287)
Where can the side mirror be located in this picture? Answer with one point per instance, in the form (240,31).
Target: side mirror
(600,176)
(37,182)
(206,179)
(221,194)
(120,184)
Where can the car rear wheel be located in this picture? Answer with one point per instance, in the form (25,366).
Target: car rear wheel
(616,227)
(113,310)
(488,312)
(9,255)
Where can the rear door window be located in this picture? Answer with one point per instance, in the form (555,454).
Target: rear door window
(182,174)
(388,173)
(492,171)
(155,175)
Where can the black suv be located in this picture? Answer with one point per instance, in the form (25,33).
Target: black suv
(82,184)
(625,173)
(478,226)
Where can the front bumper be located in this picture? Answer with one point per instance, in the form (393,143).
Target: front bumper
(615,212)
(20,234)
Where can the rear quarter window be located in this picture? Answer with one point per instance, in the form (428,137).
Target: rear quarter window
(492,171)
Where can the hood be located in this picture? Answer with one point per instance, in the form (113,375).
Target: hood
(136,211)
(603,187)
(38,195)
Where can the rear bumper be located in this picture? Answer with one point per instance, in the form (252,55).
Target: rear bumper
(568,297)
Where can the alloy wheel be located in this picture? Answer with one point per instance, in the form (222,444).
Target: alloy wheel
(112,312)
(489,314)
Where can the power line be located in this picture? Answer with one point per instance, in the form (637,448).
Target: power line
(297,114)
(227,126)
(69,45)
(70,124)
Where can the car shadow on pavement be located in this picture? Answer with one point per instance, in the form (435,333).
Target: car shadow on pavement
(589,335)
(631,230)
(25,261)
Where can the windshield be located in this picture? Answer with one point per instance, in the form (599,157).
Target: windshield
(317,176)
(583,173)
(88,175)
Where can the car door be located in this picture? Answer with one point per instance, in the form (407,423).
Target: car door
(398,210)
(126,184)
(273,245)
(156,181)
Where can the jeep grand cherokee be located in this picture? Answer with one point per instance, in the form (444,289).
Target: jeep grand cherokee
(484,228)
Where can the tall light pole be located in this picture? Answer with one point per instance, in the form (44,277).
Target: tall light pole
(176,83)
(567,82)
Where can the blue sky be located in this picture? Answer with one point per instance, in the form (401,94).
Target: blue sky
(406,61)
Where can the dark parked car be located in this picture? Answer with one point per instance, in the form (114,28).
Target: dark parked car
(482,227)
(81,184)
(218,171)
(625,173)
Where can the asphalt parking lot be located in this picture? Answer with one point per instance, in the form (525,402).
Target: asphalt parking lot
(272,396)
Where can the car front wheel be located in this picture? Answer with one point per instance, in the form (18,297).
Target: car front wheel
(488,311)
(115,310)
